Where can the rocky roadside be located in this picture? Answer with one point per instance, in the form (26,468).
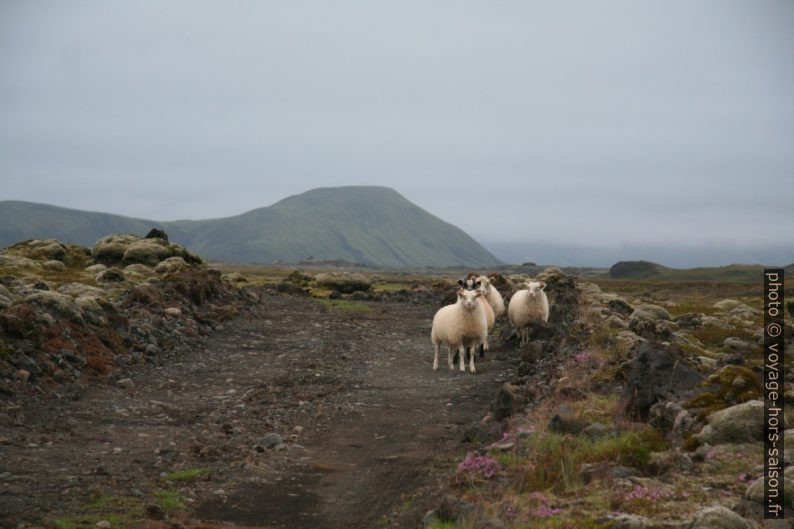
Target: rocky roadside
(71,315)
(624,415)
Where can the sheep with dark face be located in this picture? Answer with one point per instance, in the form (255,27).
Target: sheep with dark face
(527,307)
(461,326)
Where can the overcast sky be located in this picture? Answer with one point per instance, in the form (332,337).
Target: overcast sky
(594,123)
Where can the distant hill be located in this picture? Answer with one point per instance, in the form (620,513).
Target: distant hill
(648,270)
(359,224)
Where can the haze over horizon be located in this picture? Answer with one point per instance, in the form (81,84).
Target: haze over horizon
(589,131)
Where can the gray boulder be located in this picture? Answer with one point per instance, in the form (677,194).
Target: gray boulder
(719,517)
(742,423)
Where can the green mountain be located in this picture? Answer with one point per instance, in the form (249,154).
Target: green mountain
(369,225)
(750,273)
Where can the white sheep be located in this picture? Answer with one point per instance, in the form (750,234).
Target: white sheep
(462,326)
(474,283)
(492,295)
(528,306)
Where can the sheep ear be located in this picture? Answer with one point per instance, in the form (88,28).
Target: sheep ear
(542,285)
(461,292)
(477,293)
(460,282)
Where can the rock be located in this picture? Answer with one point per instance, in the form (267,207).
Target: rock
(504,405)
(95,268)
(616,322)
(173,312)
(41,250)
(23,375)
(154,512)
(620,306)
(606,470)
(147,251)
(430,518)
(235,277)
(91,310)
(22,361)
(736,308)
(597,429)
(103,524)
(742,423)
(271,440)
(110,249)
(629,339)
(736,344)
(111,275)
(56,304)
(656,374)
(718,517)
(491,523)
(139,270)
(56,266)
(76,290)
(156,233)
(564,420)
(125,383)
(358,295)
(670,418)
(342,282)
(669,461)
(692,320)
(151,349)
(627,521)
(5,302)
(453,509)
(650,328)
(755,491)
(653,312)
(170,265)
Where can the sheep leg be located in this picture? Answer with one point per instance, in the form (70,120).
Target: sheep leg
(450,360)
(462,353)
(435,357)
(471,359)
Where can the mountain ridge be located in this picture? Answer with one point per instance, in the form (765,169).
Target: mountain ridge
(359,224)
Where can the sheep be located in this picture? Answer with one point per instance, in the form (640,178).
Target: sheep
(492,295)
(528,306)
(462,326)
(473,283)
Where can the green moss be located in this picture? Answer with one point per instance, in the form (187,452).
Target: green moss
(89,521)
(343,304)
(551,461)
(169,499)
(728,386)
(186,475)
(438,524)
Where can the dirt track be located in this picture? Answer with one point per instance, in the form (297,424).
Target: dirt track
(369,429)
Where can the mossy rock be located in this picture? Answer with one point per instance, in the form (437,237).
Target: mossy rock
(729,385)
(296,277)
(110,249)
(343,283)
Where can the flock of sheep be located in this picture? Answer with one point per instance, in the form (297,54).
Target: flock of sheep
(464,325)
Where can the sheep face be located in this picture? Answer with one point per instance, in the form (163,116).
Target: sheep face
(468,298)
(535,288)
(485,282)
(470,283)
